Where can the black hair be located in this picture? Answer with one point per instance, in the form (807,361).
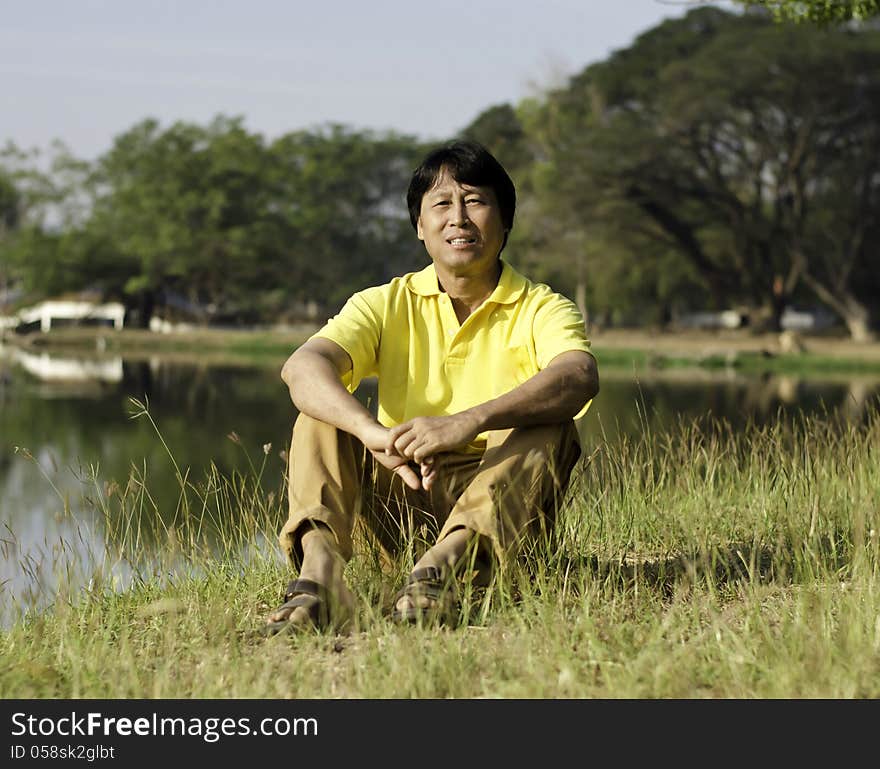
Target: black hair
(468,162)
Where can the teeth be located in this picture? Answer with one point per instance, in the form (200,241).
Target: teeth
(461,241)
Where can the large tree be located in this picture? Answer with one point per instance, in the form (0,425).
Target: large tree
(339,198)
(739,147)
(180,212)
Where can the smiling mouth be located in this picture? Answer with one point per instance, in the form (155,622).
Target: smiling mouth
(462,241)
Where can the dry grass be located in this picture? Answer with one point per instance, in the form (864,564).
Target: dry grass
(695,562)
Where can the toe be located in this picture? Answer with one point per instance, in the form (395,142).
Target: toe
(278,616)
(404,603)
(300,618)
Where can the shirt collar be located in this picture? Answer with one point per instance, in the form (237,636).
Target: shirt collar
(510,285)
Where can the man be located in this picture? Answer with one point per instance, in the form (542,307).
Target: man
(480,373)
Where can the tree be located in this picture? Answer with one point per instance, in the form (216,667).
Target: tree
(10,206)
(29,213)
(818,11)
(730,178)
(214,218)
(500,129)
(9,217)
(180,210)
(339,198)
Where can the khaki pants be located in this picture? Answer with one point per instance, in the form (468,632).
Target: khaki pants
(508,494)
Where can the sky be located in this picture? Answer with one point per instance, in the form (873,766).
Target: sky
(84,71)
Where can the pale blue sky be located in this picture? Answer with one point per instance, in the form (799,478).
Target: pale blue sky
(83,71)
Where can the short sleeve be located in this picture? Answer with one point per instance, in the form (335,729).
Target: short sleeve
(558,327)
(357,329)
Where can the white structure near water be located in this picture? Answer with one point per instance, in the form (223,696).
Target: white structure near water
(51,310)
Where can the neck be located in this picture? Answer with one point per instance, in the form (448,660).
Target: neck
(468,292)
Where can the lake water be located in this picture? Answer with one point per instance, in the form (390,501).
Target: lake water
(66,430)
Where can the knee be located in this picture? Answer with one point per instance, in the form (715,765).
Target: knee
(541,451)
(535,440)
(304,423)
(308,429)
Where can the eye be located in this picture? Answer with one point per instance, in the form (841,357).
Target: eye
(478,201)
(441,203)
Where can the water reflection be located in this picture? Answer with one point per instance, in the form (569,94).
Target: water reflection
(629,403)
(54,368)
(66,442)
(67,437)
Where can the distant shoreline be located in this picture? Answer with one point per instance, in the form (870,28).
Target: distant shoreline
(736,349)
(614,348)
(256,344)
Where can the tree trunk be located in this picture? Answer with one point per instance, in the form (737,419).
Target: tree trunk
(580,290)
(859,328)
(146,306)
(854,313)
(580,299)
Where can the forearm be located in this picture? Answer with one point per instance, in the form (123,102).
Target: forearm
(316,389)
(555,394)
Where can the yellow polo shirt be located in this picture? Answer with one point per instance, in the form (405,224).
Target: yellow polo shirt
(406,334)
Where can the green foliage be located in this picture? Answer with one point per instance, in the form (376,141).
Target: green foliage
(719,161)
(216,218)
(182,209)
(678,185)
(9,204)
(500,129)
(26,193)
(340,209)
(819,11)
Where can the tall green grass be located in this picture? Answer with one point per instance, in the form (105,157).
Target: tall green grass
(697,561)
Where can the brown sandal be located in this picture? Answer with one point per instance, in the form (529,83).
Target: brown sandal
(311,595)
(428,582)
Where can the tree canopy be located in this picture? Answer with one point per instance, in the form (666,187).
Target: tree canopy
(720,161)
(679,186)
(217,222)
(818,11)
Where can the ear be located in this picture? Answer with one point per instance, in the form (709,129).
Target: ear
(419,231)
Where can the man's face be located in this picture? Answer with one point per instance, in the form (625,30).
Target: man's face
(461,226)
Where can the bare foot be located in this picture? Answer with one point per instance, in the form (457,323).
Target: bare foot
(322,565)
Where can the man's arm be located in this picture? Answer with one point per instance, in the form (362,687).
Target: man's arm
(555,394)
(313,374)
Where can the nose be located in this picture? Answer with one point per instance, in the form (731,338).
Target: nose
(458,213)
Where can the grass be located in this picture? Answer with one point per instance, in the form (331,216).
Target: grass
(694,562)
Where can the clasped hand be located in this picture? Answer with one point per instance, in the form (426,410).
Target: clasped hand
(419,440)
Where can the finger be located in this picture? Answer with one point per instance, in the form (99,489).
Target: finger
(393,434)
(419,449)
(404,442)
(422,451)
(409,477)
(429,472)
